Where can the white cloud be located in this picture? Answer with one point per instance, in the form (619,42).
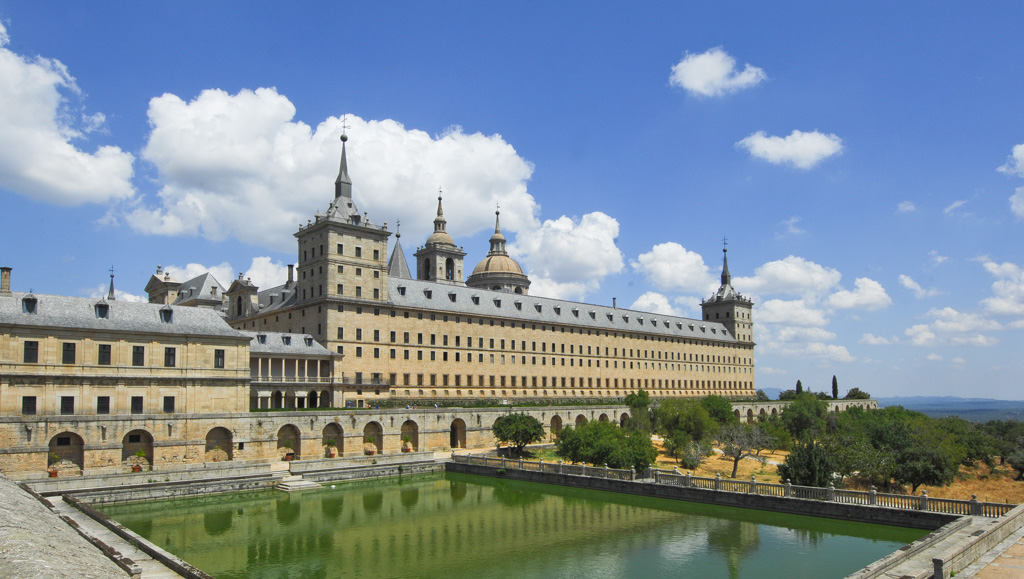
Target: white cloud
(569,251)
(240,166)
(1007,290)
(791,275)
(40,160)
(263,272)
(801,150)
(952,207)
(906,207)
(936,258)
(670,266)
(713,73)
(933,357)
(800,334)
(790,312)
(655,303)
(953,327)
(1015,162)
(873,340)
(919,292)
(1017,202)
(791,227)
(564,291)
(830,352)
(921,335)
(867,295)
(958,360)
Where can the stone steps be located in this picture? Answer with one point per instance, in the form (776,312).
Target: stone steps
(295,483)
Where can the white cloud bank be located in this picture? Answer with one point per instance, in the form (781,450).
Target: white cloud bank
(919,292)
(799,149)
(670,266)
(264,272)
(38,129)
(713,73)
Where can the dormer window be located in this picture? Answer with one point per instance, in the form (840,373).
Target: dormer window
(611,318)
(451,296)
(538,306)
(497,303)
(576,312)
(625,317)
(28,304)
(286,340)
(102,311)
(429,294)
(519,305)
(476,300)
(558,310)
(166,315)
(261,338)
(593,315)
(309,341)
(401,290)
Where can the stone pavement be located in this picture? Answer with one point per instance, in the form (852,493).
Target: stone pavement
(151,568)
(1005,561)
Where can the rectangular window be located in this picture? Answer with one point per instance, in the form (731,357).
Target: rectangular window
(168,404)
(218,359)
(68,353)
(359,292)
(31,352)
(169,357)
(376,292)
(138,355)
(136,404)
(341,289)
(28,405)
(103,355)
(341,249)
(359,252)
(359,352)
(67,405)
(103,405)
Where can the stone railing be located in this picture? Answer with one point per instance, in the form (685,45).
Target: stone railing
(753,487)
(292,379)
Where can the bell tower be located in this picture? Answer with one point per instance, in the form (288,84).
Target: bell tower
(729,307)
(440,259)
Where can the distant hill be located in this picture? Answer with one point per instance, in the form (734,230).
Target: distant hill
(974,409)
(772,393)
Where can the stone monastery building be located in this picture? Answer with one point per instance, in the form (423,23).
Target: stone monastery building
(437,335)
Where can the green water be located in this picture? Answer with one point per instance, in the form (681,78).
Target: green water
(467,526)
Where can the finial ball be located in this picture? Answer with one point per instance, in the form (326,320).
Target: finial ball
(344,137)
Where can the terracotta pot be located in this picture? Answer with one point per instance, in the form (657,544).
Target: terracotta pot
(53,473)
(136,468)
(331,455)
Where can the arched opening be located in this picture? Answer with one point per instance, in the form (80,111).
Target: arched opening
(750,415)
(449,269)
(602,418)
(775,412)
(289,441)
(325,399)
(457,435)
(373,438)
(334,440)
(737,414)
(556,425)
(410,436)
(137,449)
(312,399)
(623,419)
(67,453)
(519,290)
(580,420)
(219,445)
(762,414)
(425,272)
(278,399)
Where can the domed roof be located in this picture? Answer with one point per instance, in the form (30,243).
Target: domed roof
(497,264)
(440,236)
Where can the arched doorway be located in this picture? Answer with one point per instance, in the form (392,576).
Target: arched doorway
(750,415)
(623,419)
(289,441)
(580,420)
(737,413)
(410,435)
(556,425)
(602,418)
(277,400)
(137,448)
(67,451)
(334,433)
(312,399)
(219,445)
(457,438)
(325,399)
(373,434)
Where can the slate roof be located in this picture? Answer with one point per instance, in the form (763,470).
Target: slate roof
(286,344)
(66,312)
(459,300)
(200,288)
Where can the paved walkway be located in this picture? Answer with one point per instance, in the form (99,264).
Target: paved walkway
(1005,561)
(151,568)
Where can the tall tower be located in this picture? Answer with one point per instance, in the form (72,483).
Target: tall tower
(730,307)
(440,259)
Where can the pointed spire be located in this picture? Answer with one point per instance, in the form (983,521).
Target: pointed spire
(497,240)
(343,184)
(439,222)
(398,268)
(110,293)
(726,278)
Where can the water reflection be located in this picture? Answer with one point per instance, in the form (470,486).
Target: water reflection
(462,526)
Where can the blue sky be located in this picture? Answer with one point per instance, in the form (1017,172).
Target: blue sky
(865,162)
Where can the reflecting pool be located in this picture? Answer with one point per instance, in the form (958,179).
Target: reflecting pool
(457,525)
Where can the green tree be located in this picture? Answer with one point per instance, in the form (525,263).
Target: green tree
(639,403)
(518,430)
(737,443)
(857,394)
(799,387)
(1016,461)
(761,396)
(835,388)
(601,443)
(805,416)
(781,439)
(787,394)
(720,409)
(808,465)
(688,416)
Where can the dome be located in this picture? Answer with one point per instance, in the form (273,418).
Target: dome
(497,264)
(440,237)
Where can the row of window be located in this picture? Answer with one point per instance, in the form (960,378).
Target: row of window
(534,382)
(69,354)
(29,405)
(341,251)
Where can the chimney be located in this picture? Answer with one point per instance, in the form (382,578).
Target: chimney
(614,307)
(5,281)
(291,273)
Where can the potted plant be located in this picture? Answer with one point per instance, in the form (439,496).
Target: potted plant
(289,455)
(406,443)
(216,453)
(140,455)
(331,445)
(370,448)
(54,459)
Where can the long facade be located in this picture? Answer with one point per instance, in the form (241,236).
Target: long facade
(439,336)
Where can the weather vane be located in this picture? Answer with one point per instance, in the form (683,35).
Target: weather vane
(725,244)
